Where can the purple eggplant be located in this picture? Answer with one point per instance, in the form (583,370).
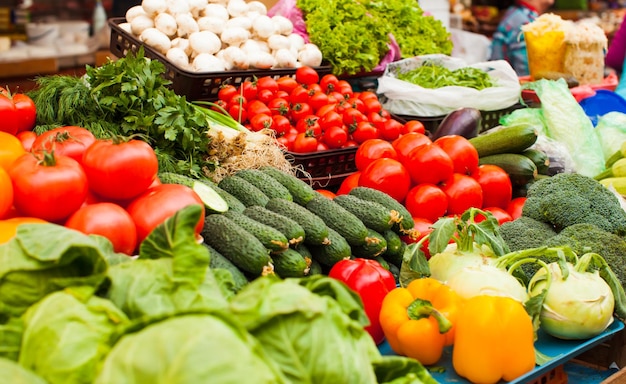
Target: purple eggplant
(463,122)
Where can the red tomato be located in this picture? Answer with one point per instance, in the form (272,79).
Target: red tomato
(70,141)
(387,175)
(514,208)
(391,129)
(463,193)
(304,143)
(331,107)
(330,119)
(422,227)
(155,205)
(120,171)
(248,89)
(108,220)
(367,95)
(330,194)
(357,104)
(307,75)
(328,83)
(371,150)
(372,105)
(364,131)
(500,214)
(344,87)
(26,111)
(286,83)
(352,116)
(6,194)
(350,182)
(265,95)
(463,154)
(279,106)
(318,99)
(9,114)
(335,137)
(261,121)
(427,201)
(406,143)
(267,83)
(256,107)
(429,163)
(300,110)
(413,126)
(280,125)
(309,123)
(27,138)
(227,92)
(50,187)
(371,282)
(336,97)
(238,112)
(496,185)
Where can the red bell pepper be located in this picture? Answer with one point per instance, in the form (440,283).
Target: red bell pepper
(371,281)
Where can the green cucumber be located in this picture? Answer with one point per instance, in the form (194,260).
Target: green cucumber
(316,268)
(315,229)
(272,238)
(266,183)
(290,228)
(374,215)
(329,254)
(395,248)
(218,261)
(340,219)
(375,246)
(303,250)
(520,168)
(505,139)
(383,263)
(301,192)
(237,245)
(291,263)
(405,226)
(540,158)
(243,190)
(212,200)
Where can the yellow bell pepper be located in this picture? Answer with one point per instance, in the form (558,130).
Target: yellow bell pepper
(494,340)
(418,321)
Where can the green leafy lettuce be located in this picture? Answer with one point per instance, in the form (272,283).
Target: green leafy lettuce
(13,373)
(67,334)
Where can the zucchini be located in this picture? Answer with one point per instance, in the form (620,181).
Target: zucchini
(290,228)
(301,192)
(243,190)
(266,183)
(375,246)
(405,226)
(218,261)
(336,250)
(540,158)
(520,168)
(315,229)
(395,248)
(374,215)
(212,200)
(340,219)
(237,245)
(509,139)
(272,238)
(291,263)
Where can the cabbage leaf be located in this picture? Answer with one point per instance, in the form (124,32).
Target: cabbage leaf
(13,373)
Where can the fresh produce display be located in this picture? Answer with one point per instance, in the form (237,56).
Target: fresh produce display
(309,114)
(367,25)
(202,36)
(127,318)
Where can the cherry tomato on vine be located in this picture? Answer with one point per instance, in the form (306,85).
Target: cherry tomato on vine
(48,186)
(109,220)
(387,175)
(463,154)
(307,75)
(371,150)
(120,170)
(70,141)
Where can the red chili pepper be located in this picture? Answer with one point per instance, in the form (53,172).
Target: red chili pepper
(371,281)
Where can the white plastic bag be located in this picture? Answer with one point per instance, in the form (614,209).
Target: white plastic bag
(405,98)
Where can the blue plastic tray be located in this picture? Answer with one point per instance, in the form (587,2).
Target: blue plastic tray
(602,103)
(561,352)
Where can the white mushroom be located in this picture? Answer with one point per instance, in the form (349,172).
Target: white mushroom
(176,7)
(296,42)
(133,12)
(239,21)
(210,23)
(256,7)
(154,7)
(156,39)
(262,60)
(206,62)
(216,10)
(166,23)
(235,58)
(186,24)
(285,58)
(235,36)
(263,27)
(277,42)
(237,8)
(126,27)
(140,24)
(204,42)
(197,6)
(310,55)
(283,25)
(178,57)
(182,43)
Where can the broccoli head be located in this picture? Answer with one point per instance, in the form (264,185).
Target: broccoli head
(566,199)
(525,232)
(583,238)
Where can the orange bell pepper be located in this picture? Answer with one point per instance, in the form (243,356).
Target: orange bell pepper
(419,320)
(494,340)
